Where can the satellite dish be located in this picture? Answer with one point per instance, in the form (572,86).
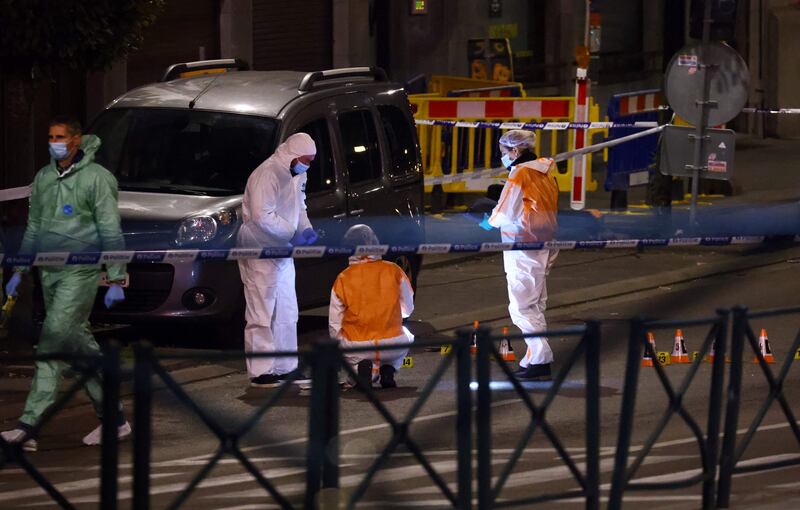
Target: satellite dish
(729,82)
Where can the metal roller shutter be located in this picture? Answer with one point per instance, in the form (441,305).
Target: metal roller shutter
(186,30)
(292,35)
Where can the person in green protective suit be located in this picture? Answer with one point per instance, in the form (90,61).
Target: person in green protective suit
(73,208)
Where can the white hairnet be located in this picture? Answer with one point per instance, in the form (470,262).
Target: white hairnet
(519,138)
(360,235)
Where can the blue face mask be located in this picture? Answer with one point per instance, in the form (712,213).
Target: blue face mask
(506,160)
(58,150)
(300,167)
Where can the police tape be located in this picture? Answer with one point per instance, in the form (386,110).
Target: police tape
(9,194)
(546,126)
(50,259)
(778,111)
(563,156)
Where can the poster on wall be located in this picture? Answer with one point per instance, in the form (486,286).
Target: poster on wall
(490,59)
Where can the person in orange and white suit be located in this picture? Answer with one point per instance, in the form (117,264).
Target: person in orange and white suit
(526,212)
(369,301)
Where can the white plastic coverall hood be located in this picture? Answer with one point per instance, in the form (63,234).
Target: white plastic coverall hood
(273,207)
(273,210)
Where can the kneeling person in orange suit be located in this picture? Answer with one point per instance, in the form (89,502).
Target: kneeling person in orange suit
(369,301)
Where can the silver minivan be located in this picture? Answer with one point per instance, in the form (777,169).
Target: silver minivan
(182,150)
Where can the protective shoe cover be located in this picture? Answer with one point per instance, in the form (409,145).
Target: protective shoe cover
(273,211)
(387,376)
(535,373)
(364,372)
(18,435)
(95,437)
(266,381)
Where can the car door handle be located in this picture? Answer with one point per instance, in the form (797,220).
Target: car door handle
(339,216)
(356,211)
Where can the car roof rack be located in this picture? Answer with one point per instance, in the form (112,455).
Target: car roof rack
(314,78)
(204,67)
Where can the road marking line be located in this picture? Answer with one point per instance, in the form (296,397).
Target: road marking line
(218,481)
(656,499)
(680,475)
(78,485)
(350,481)
(551,474)
(609,450)
(368,428)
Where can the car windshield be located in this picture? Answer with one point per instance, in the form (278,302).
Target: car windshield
(182,151)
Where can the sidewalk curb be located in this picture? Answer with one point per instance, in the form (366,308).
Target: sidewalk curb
(623,287)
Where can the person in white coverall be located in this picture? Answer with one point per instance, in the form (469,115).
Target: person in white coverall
(526,212)
(369,301)
(274,214)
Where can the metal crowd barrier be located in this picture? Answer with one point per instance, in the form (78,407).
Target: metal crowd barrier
(589,347)
(707,440)
(86,367)
(731,452)
(326,359)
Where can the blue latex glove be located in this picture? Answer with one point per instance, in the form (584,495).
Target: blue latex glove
(13,283)
(484,224)
(298,239)
(310,235)
(114,295)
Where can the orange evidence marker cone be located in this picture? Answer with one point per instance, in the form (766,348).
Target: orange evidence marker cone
(647,360)
(473,349)
(679,352)
(506,351)
(764,348)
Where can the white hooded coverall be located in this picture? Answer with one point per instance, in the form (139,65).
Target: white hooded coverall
(369,301)
(526,212)
(273,210)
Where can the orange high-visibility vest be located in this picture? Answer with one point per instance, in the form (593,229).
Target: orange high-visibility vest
(371,295)
(534,213)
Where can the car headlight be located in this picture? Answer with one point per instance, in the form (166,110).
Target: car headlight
(202,229)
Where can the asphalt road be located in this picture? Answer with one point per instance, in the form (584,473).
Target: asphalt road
(449,296)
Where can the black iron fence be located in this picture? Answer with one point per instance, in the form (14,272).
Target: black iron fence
(472,427)
(707,440)
(732,453)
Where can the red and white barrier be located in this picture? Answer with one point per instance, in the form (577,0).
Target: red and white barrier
(490,109)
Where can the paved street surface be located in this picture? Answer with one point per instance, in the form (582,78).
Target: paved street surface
(181,445)
(610,285)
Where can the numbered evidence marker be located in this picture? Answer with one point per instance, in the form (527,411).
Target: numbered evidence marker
(797,355)
(664,358)
(695,354)
(445,349)
(408,362)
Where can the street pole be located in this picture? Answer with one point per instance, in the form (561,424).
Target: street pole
(700,128)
